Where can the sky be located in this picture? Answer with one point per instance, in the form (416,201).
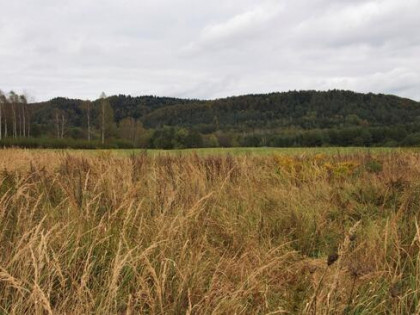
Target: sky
(208,49)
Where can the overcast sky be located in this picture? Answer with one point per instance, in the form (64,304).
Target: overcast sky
(208,49)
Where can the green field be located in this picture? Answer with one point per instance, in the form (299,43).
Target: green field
(245,151)
(288,151)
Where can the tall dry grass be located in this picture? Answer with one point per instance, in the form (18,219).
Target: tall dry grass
(105,234)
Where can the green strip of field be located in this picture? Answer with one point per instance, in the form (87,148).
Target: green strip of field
(260,151)
(240,151)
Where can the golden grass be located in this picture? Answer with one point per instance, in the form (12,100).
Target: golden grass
(188,234)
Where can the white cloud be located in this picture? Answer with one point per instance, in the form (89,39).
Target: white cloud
(241,24)
(236,31)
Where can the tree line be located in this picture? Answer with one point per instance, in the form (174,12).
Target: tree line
(294,118)
(15,116)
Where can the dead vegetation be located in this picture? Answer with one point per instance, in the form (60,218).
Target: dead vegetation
(220,234)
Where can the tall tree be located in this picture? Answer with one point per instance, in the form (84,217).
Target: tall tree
(5,111)
(28,112)
(13,99)
(2,101)
(57,124)
(131,129)
(107,124)
(23,103)
(103,104)
(63,122)
(87,107)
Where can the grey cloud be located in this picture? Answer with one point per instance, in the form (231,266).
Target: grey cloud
(208,49)
(372,23)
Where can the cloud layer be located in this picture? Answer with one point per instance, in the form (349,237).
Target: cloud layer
(208,49)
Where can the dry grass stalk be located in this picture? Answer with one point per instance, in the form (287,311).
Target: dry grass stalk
(104,233)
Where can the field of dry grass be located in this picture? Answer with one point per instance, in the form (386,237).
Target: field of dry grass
(216,234)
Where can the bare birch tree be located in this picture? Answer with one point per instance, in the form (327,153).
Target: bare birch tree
(57,124)
(13,99)
(5,119)
(87,107)
(63,121)
(23,102)
(103,97)
(2,100)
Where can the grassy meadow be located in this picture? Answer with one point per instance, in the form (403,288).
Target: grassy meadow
(256,151)
(239,231)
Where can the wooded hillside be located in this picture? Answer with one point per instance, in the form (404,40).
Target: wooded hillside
(295,118)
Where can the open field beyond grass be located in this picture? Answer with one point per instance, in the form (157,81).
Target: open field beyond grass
(236,151)
(266,232)
(270,151)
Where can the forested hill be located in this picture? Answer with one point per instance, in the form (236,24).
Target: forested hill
(304,109)
(295,118)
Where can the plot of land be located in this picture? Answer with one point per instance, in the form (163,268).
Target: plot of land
(198,232)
